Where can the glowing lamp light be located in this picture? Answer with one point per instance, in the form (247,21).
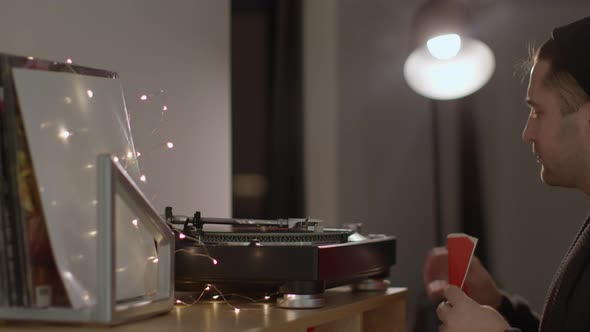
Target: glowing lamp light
(214,261)
(444,47)
(142,178)
(267,297)
(135,222)
(143,97)
(129,154)
(90,93)
(156,260)
(170,145)
(69,60)
(178,301)
(64,134)
(463,74)
(236,310)
(165,108)
(181,236)
(207,288)
(215,297)
(138,154)
(116,159)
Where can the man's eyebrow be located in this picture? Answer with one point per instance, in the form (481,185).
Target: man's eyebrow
(531,102)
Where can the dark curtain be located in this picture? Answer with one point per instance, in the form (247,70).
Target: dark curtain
(266,109)
(285,195)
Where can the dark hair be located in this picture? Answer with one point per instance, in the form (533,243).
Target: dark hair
(570,92)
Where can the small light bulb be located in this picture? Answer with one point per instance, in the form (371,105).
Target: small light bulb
(215,297)
(156,260)
(444,47)
(181,236)
(170,145)
(129,155)
(214,261)
(64,134)
(236,310)
(143,97)
(165,108)
(30,58)
(69,60)
(267,297)
(134,222)
(142,178)
(207,288)
(116,159)
(90,93)
(178,301)
(138,154)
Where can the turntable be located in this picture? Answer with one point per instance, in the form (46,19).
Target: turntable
(294,259)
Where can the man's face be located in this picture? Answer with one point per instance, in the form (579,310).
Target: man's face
(556,139)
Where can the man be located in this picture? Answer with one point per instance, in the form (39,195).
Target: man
(558,129)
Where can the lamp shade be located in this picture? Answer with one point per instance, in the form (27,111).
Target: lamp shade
(450,78)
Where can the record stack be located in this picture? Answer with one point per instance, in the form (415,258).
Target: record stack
(28,273)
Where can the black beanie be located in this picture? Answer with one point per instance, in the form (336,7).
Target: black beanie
(573,42)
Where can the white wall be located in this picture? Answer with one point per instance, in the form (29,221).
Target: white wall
(181,47)
(382,128)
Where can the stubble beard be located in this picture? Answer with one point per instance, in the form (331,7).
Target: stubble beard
(552,179)
(548,177)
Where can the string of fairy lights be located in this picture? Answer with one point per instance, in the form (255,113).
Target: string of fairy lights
(220,295)
(208,288)
(161,95)
(129,158)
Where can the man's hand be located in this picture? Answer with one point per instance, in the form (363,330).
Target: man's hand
(479,284)
(462,314)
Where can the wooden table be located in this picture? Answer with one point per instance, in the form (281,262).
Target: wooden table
(345,311)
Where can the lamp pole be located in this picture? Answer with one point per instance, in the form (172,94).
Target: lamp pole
(436,174)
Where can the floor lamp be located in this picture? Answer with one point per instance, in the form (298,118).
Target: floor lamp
(446,62)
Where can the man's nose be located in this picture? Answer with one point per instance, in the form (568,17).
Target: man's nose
(528,133)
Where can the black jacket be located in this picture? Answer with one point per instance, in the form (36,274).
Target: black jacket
(567,306)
